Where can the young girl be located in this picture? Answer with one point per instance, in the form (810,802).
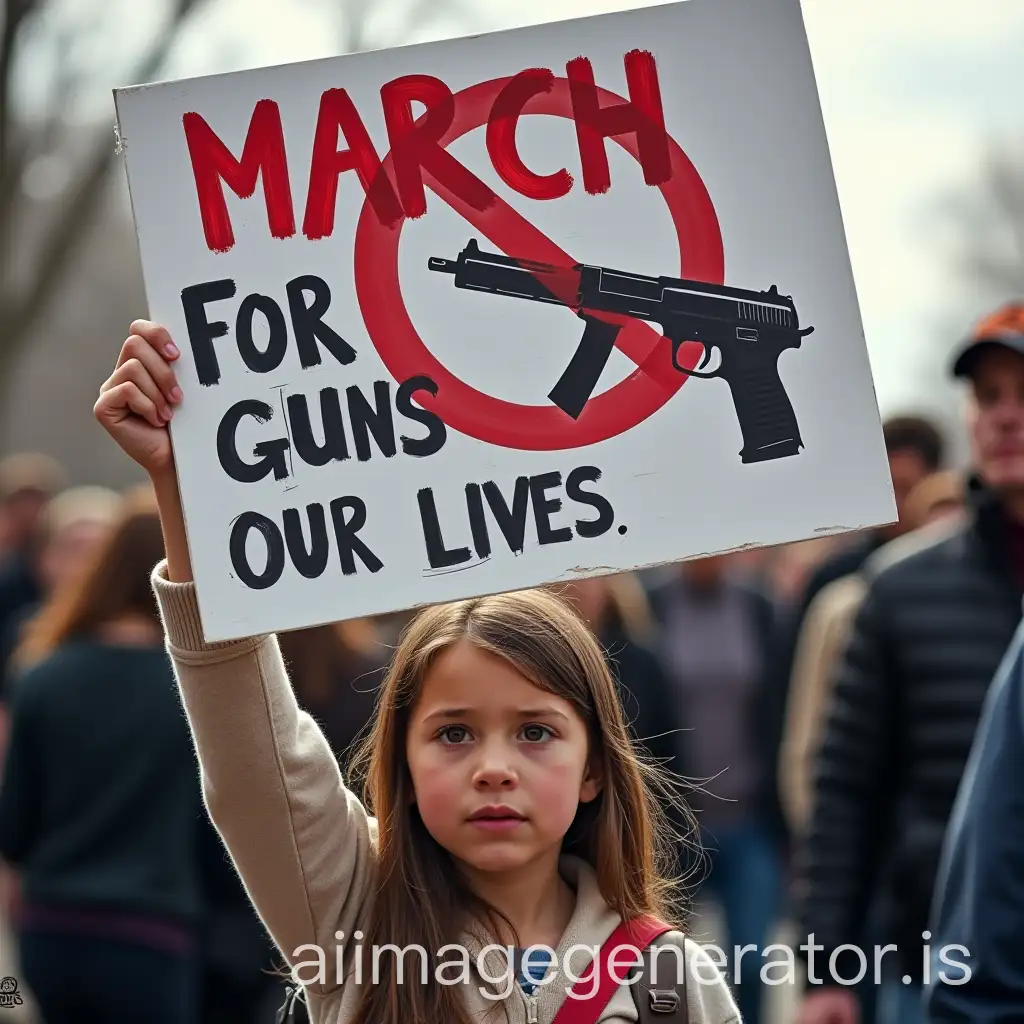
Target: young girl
(505,807)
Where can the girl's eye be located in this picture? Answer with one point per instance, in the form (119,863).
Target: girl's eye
(453,734)
(530,733)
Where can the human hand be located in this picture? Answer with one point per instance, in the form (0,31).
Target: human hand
(137,400)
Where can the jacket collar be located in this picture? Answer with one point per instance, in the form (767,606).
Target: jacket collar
(988,527)
(592,921)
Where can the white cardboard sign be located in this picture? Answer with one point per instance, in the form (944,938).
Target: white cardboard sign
(477,315)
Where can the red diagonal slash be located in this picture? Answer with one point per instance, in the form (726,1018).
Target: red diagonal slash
(511,232)
(531,427)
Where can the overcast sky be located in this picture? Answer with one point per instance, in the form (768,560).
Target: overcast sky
(912,93)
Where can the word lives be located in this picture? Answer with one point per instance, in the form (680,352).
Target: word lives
(539,493)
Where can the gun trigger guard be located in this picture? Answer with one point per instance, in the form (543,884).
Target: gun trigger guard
(694,373)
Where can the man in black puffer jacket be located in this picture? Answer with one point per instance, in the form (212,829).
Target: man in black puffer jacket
(925,646)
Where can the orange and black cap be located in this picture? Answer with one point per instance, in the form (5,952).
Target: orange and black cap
(1004,328)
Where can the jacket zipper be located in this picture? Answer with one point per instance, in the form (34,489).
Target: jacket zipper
(531,1009)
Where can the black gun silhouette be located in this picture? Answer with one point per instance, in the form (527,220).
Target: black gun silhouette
(749,329)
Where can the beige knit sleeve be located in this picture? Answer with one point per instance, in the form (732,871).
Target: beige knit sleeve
(302,843)
(708,996)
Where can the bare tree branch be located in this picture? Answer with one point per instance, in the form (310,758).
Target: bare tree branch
(354,35)
(988,225)
(423,12)
(12,16)
(74,212)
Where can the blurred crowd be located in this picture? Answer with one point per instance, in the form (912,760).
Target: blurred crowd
(822,700)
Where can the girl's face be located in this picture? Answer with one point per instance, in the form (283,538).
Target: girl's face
(499,766)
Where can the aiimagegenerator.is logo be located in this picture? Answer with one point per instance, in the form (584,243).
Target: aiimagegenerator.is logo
(9,994)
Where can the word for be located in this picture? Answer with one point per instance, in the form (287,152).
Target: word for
(416,147)
(307,327)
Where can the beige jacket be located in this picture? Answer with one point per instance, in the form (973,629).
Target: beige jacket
(304,845)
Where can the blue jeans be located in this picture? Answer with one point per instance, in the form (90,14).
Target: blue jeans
(78,980)
(746,878)
(900,1004)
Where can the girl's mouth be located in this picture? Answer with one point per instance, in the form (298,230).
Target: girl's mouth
(496,818)
(496,824)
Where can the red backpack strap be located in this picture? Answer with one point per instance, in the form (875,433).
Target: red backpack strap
(584,1006)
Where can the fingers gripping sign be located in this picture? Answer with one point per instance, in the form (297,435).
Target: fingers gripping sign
(137,400)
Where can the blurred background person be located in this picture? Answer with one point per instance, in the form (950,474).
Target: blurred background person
(337,671)
(937,500)
(784,571)
(68,530)
(27,482)
(100,805)
(617,610)
(717,632)
(927,639)
(915,449)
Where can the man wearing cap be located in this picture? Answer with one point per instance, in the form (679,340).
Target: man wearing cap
(927,641)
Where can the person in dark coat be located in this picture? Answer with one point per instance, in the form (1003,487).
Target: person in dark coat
(925,645)
(977,958)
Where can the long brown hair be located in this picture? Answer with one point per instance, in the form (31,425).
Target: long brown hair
(114,583)
(421,897)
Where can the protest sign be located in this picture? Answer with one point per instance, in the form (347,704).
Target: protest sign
(482,314)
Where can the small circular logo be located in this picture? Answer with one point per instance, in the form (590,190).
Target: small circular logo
(8,985)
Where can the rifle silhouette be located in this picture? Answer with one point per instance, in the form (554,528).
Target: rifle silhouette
(749,329)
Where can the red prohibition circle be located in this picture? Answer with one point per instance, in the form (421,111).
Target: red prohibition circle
(509,424)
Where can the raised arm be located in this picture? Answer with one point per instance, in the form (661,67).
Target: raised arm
(302,843)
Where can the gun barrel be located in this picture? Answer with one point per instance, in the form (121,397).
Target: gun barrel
(441,265)
(497,274)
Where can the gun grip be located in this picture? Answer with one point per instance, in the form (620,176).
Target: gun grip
(765,413)
(574,388)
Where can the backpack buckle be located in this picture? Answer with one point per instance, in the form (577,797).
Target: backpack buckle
(286,1012)
(664,1000)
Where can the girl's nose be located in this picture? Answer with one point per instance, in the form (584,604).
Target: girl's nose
(494,768)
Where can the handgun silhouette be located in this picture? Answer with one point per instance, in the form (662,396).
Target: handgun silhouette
(749,329)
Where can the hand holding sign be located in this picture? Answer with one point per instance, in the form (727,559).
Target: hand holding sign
(137,400)
(136,404)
